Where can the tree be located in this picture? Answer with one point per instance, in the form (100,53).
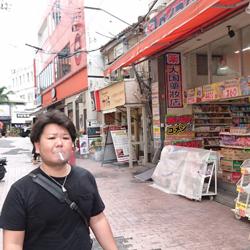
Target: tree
(4,95)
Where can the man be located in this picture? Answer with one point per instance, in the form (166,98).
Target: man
(34,219)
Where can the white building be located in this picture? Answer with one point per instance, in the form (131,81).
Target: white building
(22,84)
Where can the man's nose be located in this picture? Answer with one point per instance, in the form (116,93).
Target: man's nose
(59,141)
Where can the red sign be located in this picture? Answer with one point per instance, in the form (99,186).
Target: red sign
(188,143)
(174,80)
(179,126)
(169,12)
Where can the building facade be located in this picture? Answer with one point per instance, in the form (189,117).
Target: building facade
(198,52)
(61,61)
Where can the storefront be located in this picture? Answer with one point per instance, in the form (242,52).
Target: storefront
(200,57)
(218,88)
(121,107)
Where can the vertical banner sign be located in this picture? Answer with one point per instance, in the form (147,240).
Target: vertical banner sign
(174,80)
(84,146)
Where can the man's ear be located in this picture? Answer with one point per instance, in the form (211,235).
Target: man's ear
(37,147)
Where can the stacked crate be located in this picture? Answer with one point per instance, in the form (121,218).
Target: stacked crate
(230,163)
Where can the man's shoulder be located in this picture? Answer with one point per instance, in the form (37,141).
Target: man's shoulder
(80,170)
(25,180)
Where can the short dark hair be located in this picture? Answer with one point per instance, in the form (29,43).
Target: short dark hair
(52,116)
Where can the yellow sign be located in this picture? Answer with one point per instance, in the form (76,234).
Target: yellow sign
(112,96)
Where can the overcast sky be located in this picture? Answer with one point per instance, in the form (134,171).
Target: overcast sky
(19,25)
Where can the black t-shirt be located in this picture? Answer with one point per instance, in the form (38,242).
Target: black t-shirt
(49,224)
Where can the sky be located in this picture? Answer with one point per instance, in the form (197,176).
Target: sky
(20,24)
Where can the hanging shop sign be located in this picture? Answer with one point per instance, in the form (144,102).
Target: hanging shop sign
(174,80)
(155,110)
(93,102)
(112,96)
(179,126)
(93,132)
(168,13)
(77,49)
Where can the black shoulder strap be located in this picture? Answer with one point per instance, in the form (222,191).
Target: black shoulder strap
(56,191)
(49,186)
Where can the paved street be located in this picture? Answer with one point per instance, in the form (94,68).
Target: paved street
(142,217)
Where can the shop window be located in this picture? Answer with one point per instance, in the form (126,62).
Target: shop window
(246,50)
(197,67)
(202,64)
(56,14)
(228,63)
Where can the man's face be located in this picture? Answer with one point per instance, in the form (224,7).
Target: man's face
(55,145)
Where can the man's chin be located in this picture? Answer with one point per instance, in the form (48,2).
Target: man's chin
(58,163)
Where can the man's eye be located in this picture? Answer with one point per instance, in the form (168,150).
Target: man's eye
(66,138)
(51,138)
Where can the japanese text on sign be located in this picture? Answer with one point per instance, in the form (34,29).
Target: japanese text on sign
(173,80)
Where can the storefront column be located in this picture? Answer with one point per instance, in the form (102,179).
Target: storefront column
(130,149)
(145,137)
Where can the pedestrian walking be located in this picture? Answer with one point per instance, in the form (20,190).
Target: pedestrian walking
(35,156)
(35,216)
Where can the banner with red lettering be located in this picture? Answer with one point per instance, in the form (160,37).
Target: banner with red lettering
(174,80)
(179,126)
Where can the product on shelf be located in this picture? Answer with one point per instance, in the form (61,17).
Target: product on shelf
(235,154)
(209,120)
(230,165)
(231,177)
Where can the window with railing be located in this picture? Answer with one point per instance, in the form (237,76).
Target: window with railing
(63,63)
(46,77)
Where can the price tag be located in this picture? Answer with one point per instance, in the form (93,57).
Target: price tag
(230,92)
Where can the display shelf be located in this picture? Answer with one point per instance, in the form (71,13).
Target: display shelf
(236,134)
(232,146)
(209,121)
(238,111)
(212,124)
(198,113)
(210,131)
(225,116)
(208,137)
(214,118)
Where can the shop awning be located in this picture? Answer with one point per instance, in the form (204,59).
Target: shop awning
(199,14)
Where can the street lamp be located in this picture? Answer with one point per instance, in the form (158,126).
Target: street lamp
(100,9)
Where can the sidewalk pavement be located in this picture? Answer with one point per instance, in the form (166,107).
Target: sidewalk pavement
(150,219)
(145,218)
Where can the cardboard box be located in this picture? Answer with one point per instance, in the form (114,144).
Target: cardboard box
(235,154)
(231,177)
(230,165)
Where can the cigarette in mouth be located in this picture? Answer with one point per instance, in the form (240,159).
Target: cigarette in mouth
(61,156)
